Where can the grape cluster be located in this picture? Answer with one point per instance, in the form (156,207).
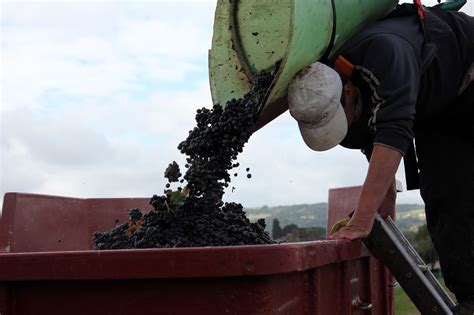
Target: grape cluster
(172,172)
(196,215)
(187,228)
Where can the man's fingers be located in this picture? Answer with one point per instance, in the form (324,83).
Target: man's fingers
(348,233)
(341,234)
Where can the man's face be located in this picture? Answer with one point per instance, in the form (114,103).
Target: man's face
(350,102)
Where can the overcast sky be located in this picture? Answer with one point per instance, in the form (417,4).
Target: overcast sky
(95,97)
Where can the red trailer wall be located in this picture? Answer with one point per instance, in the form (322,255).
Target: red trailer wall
(48,267)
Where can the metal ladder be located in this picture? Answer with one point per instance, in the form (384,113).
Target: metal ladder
(387,243)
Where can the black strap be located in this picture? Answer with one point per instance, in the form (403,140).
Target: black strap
(411,168)
(325,58)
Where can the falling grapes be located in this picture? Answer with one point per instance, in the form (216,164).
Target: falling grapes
(196,215)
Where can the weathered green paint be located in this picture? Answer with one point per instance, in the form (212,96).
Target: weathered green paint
(310,31)
(227,79)
(297,32)
(261,32)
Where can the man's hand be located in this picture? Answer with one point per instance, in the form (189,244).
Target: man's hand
(375,193)
(351,231)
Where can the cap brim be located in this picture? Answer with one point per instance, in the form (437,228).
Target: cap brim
(328,136)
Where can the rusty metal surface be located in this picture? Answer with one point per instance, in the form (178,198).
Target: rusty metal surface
(177,262)
(291,293)
(328,289)
(324,277)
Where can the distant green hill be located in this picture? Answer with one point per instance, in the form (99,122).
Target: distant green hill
(409,216)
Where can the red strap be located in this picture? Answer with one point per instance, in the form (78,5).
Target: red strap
(344,67)
(420,9)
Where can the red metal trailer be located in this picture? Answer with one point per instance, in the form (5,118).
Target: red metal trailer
(48,266)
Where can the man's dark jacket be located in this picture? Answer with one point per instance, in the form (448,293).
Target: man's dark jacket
(407,77)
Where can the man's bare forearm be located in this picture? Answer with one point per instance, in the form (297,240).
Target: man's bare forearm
(380,176)
(387,207)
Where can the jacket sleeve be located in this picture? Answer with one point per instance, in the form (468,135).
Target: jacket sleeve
(392,67)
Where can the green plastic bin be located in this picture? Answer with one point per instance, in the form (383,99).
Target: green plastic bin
(250,36)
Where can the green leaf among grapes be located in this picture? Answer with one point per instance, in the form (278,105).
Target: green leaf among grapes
(176,199)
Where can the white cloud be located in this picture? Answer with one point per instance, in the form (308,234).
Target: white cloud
(54,140)
(76,51)
(155,37)
(108,150)
(83,110)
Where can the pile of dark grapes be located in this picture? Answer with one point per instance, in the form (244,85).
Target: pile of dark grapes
(196,215)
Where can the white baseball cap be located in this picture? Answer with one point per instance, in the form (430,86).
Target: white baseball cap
(314,100)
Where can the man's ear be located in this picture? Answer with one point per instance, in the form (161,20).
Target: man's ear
(347,91)
(350,93)
(348,88)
